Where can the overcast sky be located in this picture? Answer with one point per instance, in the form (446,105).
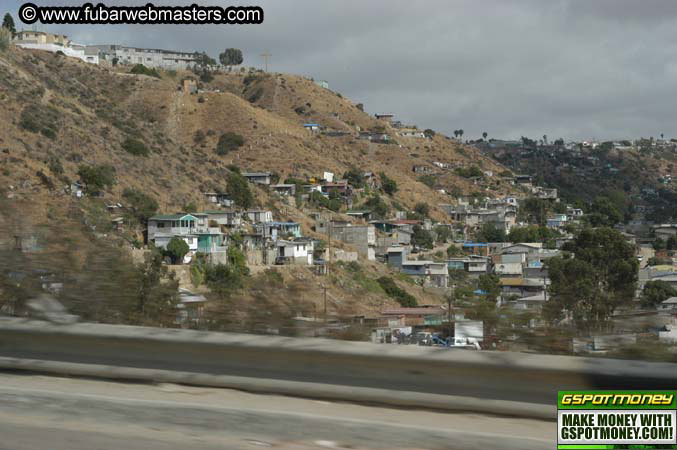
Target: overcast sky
(577,69)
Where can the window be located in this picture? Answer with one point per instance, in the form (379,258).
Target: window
(161,225)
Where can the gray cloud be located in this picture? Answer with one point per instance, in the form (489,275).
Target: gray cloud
(570,68)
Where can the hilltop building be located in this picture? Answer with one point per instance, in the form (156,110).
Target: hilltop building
(50,42)
(149,57)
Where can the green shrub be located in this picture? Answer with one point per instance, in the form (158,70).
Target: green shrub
(255,96)
(97,178)
(140,205)
(135,147)
(237,188)
(428,180)
(377,206)
(397,293)
(227,142)
(273,276)
(5,39)
(177,249)
(55,166)
(469,172)
(388,185)
(40,119)
(140,69)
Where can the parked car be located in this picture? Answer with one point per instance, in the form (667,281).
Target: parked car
(282,260)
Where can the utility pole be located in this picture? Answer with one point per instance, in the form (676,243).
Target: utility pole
(449,306)
(324,287)
(266,55)
(329,225)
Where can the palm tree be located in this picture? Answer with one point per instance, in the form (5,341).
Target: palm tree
(545,139)
(456,133)
(460,133)
(484,135)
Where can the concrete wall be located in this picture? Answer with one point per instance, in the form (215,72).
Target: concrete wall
(68,51)
(497,382)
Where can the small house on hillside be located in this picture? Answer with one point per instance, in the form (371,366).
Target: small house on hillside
(385,117)
(228,218)
(258,177)
(193,229)
(219,198)
(276,230)
(285,190)
(431,273)
(668,305)
(294,252)
(258,215)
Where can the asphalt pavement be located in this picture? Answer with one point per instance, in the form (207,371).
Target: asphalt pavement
(41,412)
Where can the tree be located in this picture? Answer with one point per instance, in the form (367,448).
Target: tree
(531,233)
(534,210)
(422,209)
(5,39)
(460,133)
(177,249)
(490,233)
(377,206)
(671,244)
(604,213)
(388,185)
(429,133)
(228,142)
(490,283)
(97,178)
(140,205)
(421,238)
(443,233)
(202,66)
(231,57)
(354,177)
(224,279)
(8,23)
(453,250)
(656,292)
(395,292)
(237,187)
(596,274)
(484,135)
(203,60)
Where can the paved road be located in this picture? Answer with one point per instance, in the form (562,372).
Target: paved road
(40,412)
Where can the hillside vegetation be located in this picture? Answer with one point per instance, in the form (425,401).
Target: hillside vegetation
(121,133)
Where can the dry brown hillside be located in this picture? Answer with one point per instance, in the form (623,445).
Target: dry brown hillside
(60,113)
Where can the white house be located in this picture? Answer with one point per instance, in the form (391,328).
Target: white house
(258,215)
(193,229)
(40,40)
(295,252)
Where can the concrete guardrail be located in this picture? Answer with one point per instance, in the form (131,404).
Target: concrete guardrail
(503,383)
